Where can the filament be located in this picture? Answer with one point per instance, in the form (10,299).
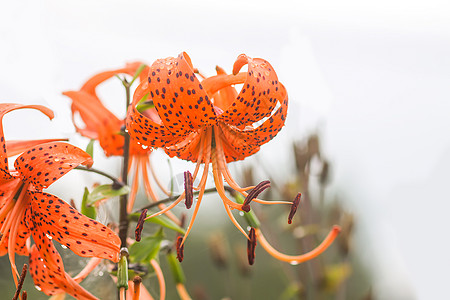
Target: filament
(297,259)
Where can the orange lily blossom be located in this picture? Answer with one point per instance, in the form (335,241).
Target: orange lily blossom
(209,122)
(25,210)
(102,125)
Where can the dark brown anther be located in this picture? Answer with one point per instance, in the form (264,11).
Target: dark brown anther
(251,246)
(180,248)
(254,193)
(294,207)
(21,280)
(188,189)
(140,225)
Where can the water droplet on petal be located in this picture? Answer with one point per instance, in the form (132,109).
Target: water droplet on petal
(38,288)
(294,263)
(49,236)
(64,246)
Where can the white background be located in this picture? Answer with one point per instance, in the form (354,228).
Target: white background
(372,77)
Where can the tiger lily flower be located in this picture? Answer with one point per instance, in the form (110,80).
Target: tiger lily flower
(25,210)
(102,125)
(209,122)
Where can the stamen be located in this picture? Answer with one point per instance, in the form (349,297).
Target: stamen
(251,246)
(140,225)
(91,265)
(160,276)
(152,196)
(182,292)
(254,193)
(188,189)
(156,178)
(294,207)
(163,211)
(180,249)
(297,259)
(202,186)
(24,295)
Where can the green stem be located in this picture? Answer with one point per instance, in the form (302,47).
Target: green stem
(116,182)
(123,215)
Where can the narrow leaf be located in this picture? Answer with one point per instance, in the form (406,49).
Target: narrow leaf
(105,191)
(87,210)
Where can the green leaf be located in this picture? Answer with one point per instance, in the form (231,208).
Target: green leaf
(175,267)
(138,72)
(90,148)
(144,104)
(147,248)
(166,222)
(160,220)
(87,210)
(105,191)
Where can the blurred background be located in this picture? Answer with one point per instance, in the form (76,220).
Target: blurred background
(369,80)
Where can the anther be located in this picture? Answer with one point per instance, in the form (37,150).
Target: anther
(180,248)
(254,193)
(188,189)
(140,225)
(294,207)
(251,245)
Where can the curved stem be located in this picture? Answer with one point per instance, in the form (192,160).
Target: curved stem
(115,181)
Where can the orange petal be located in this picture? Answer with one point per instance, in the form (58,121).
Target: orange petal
(45,163)
(179,97)
(239,144)
(143,129)
(84,236)
(100,123)
(17,147)
(7,191)
(4,109)
(270,128)
(259,95)
(53,282)
(97,79)
(187,149)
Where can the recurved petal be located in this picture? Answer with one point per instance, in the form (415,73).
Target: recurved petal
(93,113)
(4,109)
(270,127)
(84,236)
(17,147)
(179,97)
(44,164)
(145,130)
(240,143)
(259,95)
(53,282)
(97,79)
(187,149)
